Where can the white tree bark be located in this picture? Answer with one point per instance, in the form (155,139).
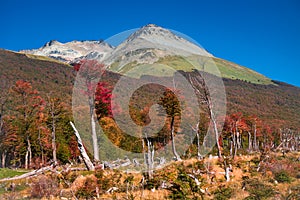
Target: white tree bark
(150,158)
(216,131)
(3,159)
(28,155)
(199,156)
(227,174)
(177,157)
(255,138)
(26,160)
(27,175)
(202,91)
(249,142)
(93,129)
(89,165)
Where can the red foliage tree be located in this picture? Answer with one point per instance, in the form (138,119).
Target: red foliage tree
(29,118)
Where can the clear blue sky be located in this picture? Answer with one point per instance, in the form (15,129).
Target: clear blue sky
(262,35)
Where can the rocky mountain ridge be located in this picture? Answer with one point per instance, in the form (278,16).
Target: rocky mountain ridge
(146,44)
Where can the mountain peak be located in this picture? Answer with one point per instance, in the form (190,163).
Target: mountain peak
(72,51)
(154,36)
(149,43)
(152,25)
(51,42)
(150,36)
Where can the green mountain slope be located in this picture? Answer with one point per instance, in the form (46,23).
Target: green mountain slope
(226,69)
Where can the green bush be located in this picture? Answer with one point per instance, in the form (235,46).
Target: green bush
(223,193)
(63,153)
(282,177)
(257,189)
(185,187)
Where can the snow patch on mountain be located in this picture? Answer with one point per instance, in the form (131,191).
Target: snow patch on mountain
(146,45)
(72,51)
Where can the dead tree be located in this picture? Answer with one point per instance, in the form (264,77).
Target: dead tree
(150,157)
(198,83)
(89,165)
(228,169)
(249,141)
(289,141)
(255,137)
(89,72)
(29,174)
(196,130)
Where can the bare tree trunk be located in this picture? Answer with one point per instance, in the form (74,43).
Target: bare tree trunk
(28,154)
(89,165)
(202,91)
(234,145)
(150,158)
(93,129)
(28,175)
(177,157)
(228,169)
(227,174)
(3,159)
(26,160)
(196,129)
(255,139)
(144,152)
(199,156)
(238,142)
(217,135)
(249,142)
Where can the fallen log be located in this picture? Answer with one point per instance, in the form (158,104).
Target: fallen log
(89,165)
(29,174)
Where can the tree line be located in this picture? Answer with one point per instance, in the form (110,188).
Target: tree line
(35,129)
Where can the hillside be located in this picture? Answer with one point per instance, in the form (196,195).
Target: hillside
(46,75)
(277,104)
(274,101)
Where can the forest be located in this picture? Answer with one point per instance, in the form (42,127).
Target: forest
(36,133)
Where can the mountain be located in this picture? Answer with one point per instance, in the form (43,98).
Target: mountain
(149,43)
(153,44)
(247,91)
(72,51)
